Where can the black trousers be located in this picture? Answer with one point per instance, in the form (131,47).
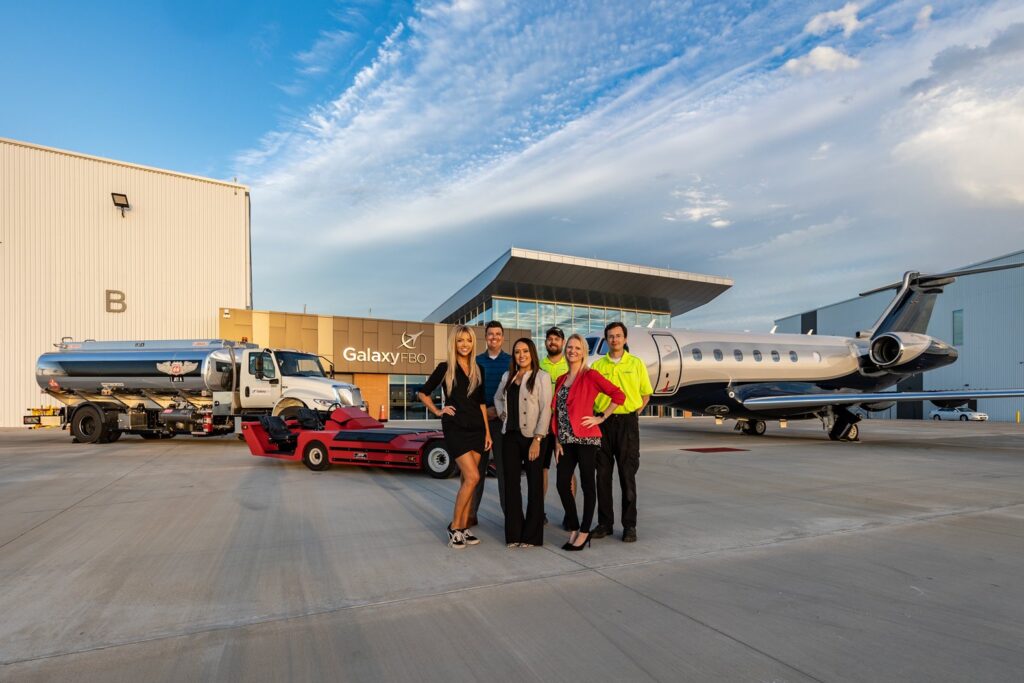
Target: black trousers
(515,459)
(574,454)
(620,444)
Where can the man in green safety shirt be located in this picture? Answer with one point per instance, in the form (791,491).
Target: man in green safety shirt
(620,433)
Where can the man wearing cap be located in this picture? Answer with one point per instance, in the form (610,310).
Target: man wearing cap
(555,365)
(620,433)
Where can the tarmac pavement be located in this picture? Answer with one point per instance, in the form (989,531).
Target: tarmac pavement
(793,559)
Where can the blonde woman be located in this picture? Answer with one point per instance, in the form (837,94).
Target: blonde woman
(578,435)
(463,421)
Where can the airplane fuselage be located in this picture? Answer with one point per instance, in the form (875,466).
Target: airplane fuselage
(714,372)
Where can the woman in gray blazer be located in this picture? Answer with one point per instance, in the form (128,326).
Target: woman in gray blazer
(523,402)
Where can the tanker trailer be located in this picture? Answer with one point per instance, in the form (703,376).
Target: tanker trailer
(158,389)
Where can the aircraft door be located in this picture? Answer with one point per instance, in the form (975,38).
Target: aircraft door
(670,367)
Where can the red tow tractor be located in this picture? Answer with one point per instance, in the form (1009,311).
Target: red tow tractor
(348,437)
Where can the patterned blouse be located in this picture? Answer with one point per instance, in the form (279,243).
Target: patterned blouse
(565,433)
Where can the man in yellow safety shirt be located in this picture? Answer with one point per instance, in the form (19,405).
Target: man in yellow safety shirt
(620,433)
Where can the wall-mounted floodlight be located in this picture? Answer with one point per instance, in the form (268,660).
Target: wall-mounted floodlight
(120,201)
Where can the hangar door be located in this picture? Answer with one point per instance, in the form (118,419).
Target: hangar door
(670,367)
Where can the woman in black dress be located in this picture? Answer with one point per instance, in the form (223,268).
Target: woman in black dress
(463,421)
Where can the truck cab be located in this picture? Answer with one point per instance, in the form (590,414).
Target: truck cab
(284,380)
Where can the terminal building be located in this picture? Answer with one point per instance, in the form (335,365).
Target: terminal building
(527,291)
(982,315)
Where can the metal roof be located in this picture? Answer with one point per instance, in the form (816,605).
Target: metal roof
(115,162)
(528,274)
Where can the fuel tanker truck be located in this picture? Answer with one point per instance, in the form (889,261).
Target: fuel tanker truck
(159,389)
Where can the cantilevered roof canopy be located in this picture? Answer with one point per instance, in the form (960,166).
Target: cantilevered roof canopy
(527,274)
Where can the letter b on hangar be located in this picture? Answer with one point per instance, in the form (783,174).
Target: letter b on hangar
(116,301)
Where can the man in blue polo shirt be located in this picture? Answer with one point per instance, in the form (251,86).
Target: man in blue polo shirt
(494,363)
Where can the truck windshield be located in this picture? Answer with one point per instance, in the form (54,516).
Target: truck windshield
(299,364)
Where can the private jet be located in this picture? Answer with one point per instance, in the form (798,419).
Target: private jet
(752,378)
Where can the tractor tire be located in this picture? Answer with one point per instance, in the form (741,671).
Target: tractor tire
(437,462)
(314,456)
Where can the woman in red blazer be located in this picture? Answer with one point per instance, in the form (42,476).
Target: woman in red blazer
(578,435)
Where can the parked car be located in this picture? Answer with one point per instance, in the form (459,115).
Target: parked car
(962,414)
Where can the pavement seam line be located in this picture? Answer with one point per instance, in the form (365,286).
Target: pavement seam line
(708,626)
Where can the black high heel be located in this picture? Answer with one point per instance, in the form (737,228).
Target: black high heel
(570,547)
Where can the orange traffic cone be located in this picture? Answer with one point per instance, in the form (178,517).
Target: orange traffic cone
(382,416)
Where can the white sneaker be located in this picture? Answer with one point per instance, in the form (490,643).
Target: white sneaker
(469,538)
(456,539)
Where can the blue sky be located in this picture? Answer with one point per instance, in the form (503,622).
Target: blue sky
(807,150)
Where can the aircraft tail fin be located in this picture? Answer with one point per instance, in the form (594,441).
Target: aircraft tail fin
(911,308)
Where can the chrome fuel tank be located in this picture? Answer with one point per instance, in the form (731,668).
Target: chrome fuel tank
(191,366)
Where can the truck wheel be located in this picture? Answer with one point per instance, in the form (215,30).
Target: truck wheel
(290,412)
(437,461)
(113,435)
(87,425)
(314,456)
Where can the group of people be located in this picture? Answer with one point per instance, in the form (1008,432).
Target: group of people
(527,412)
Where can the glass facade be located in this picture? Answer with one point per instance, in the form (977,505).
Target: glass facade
(402,401)
(538,316)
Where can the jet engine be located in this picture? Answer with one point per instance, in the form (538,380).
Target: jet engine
(909,351)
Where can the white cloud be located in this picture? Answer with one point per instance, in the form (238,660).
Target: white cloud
(701,205)
(844,17)
(821,153)
(324,51)
(924,18)
(475,126)
(821,58)
(971,141)
(787,243)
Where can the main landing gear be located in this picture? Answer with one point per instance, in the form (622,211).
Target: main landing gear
(752,427)
(844,425)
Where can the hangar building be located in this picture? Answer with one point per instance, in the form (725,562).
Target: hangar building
(981,315)
(74,263)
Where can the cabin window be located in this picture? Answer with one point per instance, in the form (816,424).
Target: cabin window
(792,356)
(697,355)
(775,356)
(718,354)
(757,356)
(738,355)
